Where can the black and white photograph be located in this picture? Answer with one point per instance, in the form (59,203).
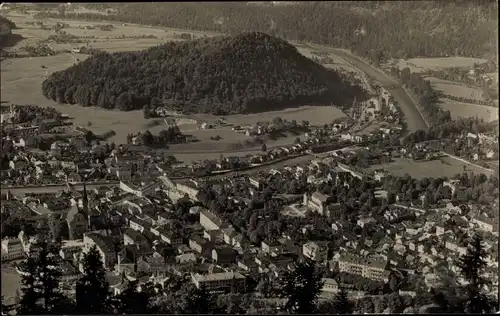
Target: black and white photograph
(262,157)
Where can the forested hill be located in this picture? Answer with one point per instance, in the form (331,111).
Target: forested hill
(389,28)
(6,27)
(250,72)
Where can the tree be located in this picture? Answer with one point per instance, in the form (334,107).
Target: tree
(92,289)
(471,266)
(341,303)
(146,111)
(40,278)
(301,287)
(198,301)
(132,301)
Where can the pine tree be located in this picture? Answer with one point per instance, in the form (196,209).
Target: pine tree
(133,301)
(40,281)
(92,289)
(471,265)
(198,301)
(341,303)
(301,287)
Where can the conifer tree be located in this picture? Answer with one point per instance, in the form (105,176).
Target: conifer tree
(471,265)
(198,301)
(133,301)
(40,279)
(92,289)
(301,287)
(341,303)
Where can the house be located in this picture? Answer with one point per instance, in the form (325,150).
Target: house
(187,189)
(214,235)
(170,237)
(315,250)
(271,247)
(257,183)
(224,255)
(317,202)
(247,263)
(186,257)
(364,266)
(104,245)
(228,234)
(12,249)
(329,285)
(223,281)
(210,221)
(200,245)
(486,224)
(78,221)
(365,221)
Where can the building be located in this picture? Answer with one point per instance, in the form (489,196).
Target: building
(210,221)
(71,247)
(105,247)
(12,249)
(330,285)
(223,281)
(255,182)
(316,250)
(317,202)
(77,218)
(370,268)
(224,255)
(486,224)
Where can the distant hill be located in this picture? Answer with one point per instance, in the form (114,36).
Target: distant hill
(373,29)
(250,72)
(6,27)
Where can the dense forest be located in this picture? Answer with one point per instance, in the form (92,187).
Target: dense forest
(6,27)
(250,72)
(371,29)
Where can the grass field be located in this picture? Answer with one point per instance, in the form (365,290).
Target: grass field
(460,109)
(443,167)
(455,89)
(425,64)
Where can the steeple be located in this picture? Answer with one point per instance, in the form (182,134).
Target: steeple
(85,199)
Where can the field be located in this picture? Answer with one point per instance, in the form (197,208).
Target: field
(460,109)
(456,108)
(21,80)
(425,64)
(443,167)
(11,282)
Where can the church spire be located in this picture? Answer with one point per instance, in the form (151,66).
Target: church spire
(85,198)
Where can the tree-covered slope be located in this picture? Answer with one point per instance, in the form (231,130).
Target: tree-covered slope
(6,27)
(390,28)
(250,72)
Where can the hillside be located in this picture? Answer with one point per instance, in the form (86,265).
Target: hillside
(250,72)
(6,27)
(373,29)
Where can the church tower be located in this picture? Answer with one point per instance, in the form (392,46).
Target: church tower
(85,199)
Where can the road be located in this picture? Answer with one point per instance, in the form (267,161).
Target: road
(412,115)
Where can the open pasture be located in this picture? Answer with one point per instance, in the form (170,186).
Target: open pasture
(459,109)
(426,64)
(316,115)
(442,167)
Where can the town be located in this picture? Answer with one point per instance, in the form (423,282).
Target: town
(249,158)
